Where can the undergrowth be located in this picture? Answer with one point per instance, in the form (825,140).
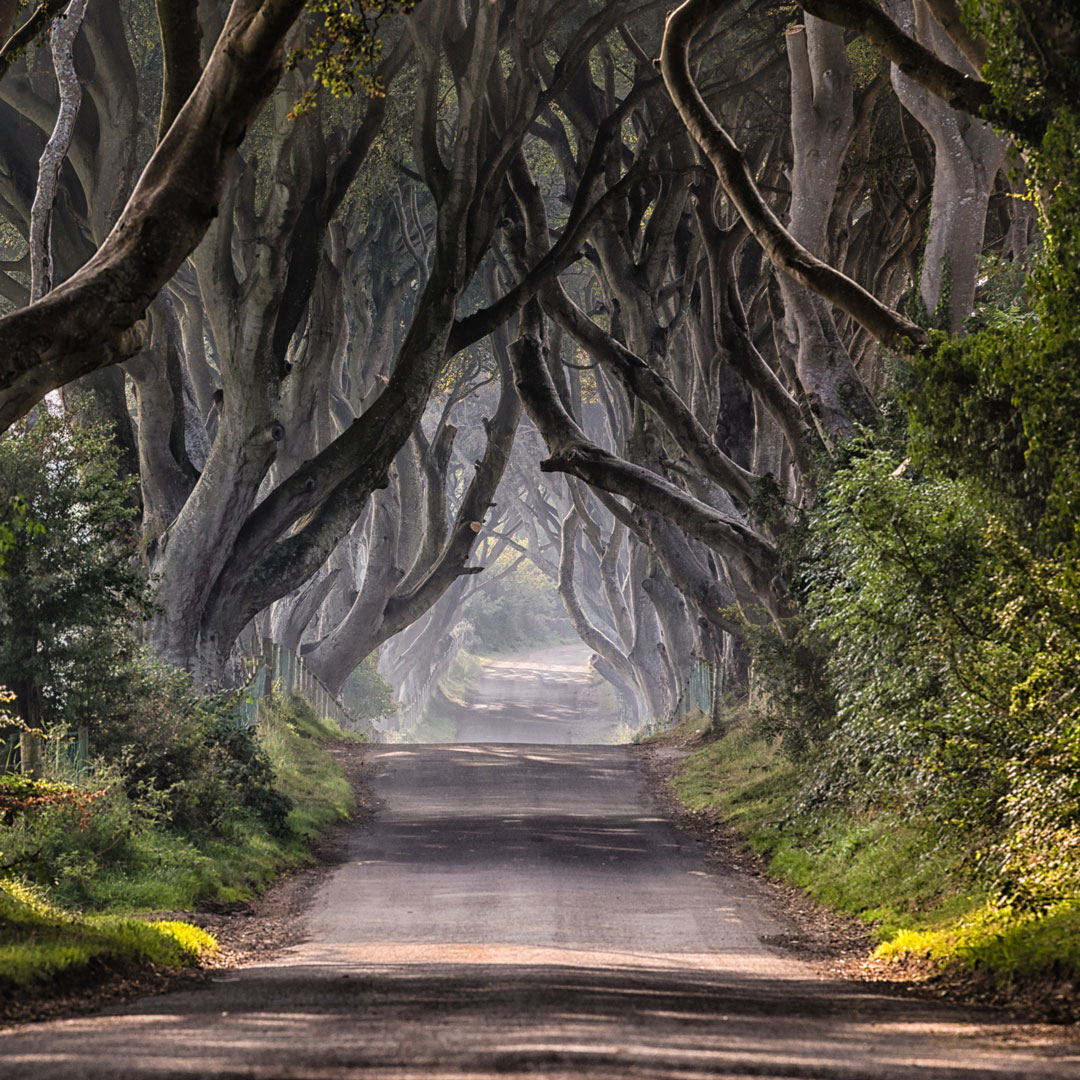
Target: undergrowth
(72,873)
(41,944)
(916,883)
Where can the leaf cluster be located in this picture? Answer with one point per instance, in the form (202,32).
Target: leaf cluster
(933,671)
(73,587)
(344,47)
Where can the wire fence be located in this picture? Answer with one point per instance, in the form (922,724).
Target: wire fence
(277,670)
(703,690)
(274,670)
(67,754)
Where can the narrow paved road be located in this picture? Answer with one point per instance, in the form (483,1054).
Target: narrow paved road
(541,696)
(518,910)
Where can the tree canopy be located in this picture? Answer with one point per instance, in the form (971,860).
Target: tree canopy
(753,331)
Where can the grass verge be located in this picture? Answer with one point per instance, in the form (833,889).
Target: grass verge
(910,880)
(42,946)
(79,923)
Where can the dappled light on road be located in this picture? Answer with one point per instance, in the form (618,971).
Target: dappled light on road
(478,1013)
(526,910)
(549,695)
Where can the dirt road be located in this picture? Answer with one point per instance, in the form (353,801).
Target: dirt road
(517,910)
(542,696)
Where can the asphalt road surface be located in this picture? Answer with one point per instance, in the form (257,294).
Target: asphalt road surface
(527,910)
(542,696)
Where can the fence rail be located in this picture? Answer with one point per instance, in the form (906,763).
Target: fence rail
(68,752)
(277,670)
(703,690)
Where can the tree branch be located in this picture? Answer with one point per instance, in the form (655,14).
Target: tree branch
(26,33)
(64,33)
(891,329)
(45,344)
(921,65)
(181,41)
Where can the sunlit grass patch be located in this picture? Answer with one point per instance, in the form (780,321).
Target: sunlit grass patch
(40,943)
(76,923)
(1010,944)
(892,873)
(318,787)
(911,880)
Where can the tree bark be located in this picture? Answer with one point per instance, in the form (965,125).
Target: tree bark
(822,126)
(64,32)
(51,342)
(967,156)
(890,328)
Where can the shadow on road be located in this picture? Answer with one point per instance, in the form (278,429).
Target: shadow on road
(338,1019)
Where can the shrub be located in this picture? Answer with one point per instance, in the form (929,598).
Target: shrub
(185,751)
(517,611)
(948,652)
(366,694)
(73,588)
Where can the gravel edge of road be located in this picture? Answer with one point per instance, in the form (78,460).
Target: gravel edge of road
(833,943)
(246,931)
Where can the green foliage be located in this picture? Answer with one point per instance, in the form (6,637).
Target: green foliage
(1032,64)
(366,694)
(41,944)
(344,46)
(796,704)
(104,844)
(1001,407)
(186,751)
(15,522)
(898,591)
(934,673)
(521,610)
(73,587)
(866,63)
(941,596)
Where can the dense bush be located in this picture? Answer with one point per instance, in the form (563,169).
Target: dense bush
(189,751)
(939,578)
(935,671)
(73,589)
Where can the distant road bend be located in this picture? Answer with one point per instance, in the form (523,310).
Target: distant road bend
(518,910)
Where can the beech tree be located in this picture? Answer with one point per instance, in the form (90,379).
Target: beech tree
(687,326)
(93,319)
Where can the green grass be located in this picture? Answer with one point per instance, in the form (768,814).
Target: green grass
(1011,945)
(290,732)
(46,932)
(905,878)
(40,943)
(464,671)
(439,722)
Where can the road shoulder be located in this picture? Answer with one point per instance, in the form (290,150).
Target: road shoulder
(836,945)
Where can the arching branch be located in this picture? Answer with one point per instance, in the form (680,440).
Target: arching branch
(889,327)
